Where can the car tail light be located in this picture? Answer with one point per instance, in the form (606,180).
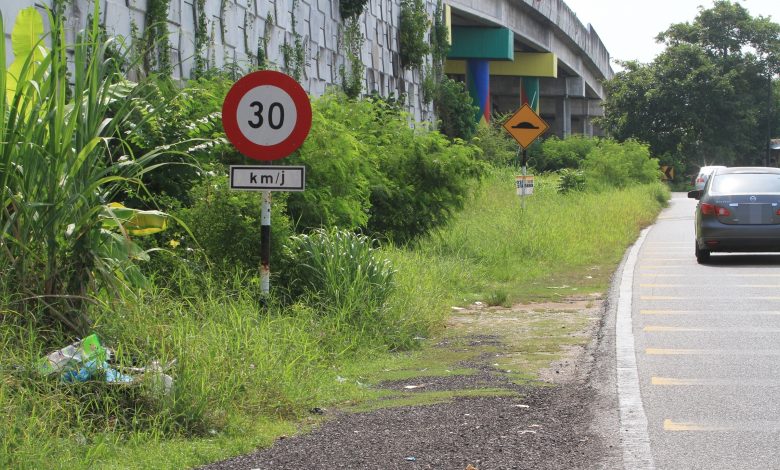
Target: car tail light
(712,209)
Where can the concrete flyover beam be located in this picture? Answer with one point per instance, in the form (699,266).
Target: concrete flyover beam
(549,26)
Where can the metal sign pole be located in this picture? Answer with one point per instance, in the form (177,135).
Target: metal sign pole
(265,245)
(525,161)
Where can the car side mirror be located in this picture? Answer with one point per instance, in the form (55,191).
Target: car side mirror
(695,194)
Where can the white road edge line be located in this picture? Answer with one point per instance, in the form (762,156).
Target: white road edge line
(633,422)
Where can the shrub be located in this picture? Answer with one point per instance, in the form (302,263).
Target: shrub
(570,180)
(338,167)
(351,8)
(367,168)
(557,154)
(614,164)
(497,146)
(226,224)
(342,273)
(424,180)
(455,109)
(192,116)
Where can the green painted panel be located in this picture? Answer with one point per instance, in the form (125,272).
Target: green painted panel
(482,43)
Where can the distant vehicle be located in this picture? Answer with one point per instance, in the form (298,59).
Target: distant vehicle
(738,211)
(704,174)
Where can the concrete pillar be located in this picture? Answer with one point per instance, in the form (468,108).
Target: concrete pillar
(562,124)
(478,84)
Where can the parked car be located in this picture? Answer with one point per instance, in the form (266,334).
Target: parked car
(704,173)
(738,211)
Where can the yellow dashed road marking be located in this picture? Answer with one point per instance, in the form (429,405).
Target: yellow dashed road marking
(708,312)
(645,267)
(669,297)
(673,329)
(681,382)
(670,425)
(710,352)
(739,426)
(653,260)
(683,329)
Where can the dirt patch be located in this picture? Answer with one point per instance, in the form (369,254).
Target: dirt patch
(546,422)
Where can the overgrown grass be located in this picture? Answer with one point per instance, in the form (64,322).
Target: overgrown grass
(245,375)
(557,243)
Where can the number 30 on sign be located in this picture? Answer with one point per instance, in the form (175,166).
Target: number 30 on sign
(266,115)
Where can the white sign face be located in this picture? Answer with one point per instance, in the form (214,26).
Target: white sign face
(268,178)
(266,115)
(524,185)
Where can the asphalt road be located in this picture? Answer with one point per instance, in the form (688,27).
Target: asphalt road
(706,340)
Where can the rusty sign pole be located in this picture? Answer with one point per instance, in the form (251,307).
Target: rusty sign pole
(253,116)
(265,245)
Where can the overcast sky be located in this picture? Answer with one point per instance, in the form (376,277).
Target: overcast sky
(628,27)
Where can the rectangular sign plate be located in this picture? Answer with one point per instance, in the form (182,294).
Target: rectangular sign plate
(524,185)
(267,178)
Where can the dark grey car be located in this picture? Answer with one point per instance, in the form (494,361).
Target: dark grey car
(738,211)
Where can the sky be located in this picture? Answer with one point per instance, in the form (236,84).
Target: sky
(628,27)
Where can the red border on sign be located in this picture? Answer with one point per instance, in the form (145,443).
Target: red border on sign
(302,123)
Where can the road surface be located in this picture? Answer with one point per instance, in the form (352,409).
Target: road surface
(698,353)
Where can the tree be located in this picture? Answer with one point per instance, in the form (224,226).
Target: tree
(705,99)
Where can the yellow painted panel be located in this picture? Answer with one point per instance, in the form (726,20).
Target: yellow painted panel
(526,64)
(448,22)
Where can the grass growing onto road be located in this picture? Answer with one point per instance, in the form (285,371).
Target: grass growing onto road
(244,377)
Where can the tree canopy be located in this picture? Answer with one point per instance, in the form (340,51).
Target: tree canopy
(706,98)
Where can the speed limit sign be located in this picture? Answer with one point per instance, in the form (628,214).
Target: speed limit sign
(266,115)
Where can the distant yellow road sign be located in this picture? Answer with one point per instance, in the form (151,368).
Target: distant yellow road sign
(668,172)
(525,126)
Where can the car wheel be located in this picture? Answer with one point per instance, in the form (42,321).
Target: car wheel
(702,256)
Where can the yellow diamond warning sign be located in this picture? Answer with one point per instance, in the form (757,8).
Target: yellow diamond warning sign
(525,126)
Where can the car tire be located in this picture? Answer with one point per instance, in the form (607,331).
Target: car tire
(702,256)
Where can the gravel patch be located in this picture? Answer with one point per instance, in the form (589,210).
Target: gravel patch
(546,429)
(569,423)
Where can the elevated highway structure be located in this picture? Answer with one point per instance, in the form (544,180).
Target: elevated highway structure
(511,52)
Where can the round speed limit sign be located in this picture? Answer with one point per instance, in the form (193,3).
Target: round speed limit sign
(266,115)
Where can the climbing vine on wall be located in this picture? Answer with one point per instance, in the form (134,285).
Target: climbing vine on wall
(351,8)
(412,27)
(440,40)
(157,48)
(247,19)
(262,43)
(294,55)
(439,48)
(352,73)
(201,38)
(222,26)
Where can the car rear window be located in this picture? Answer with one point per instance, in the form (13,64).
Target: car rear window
(746,183)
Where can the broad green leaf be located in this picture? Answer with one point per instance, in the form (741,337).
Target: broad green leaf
(27,31)
(25,41)
(135,221)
